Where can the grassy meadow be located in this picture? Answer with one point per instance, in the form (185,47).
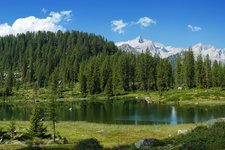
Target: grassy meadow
(109,135)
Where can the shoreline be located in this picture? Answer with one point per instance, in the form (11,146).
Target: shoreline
(192,97)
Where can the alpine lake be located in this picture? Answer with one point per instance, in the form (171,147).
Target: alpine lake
(118,112)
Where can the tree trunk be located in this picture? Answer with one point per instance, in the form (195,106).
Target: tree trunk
(54,131)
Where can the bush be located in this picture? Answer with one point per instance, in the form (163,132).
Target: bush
(34,142)
(202,138)
(194,145)
(2,132)
(23,137)
(88,144)
(6,136)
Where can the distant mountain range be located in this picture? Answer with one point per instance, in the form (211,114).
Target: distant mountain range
(140,44)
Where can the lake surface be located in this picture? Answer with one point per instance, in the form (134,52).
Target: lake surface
(119,112)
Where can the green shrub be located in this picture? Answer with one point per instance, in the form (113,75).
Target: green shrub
(202,138)
(2,132)
(34,142)
(6,136)
(23,137)
(88,144)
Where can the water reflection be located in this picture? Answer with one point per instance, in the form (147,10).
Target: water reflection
(121,112)
(173,116)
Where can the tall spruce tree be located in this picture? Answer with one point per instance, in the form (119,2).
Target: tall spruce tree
(52,115)
(132,70)
(83,79)
(124,71)
(109,87)
(178,73)
(208,72)
(105,72)
(215,74)
(163,79)
(9,83)
(222,82)
(189,69)
(93,76)
(199,72)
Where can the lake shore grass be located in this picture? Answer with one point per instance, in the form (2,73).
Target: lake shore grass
(205,97)
(109,135)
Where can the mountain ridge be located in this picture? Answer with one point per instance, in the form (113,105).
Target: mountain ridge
(140,44)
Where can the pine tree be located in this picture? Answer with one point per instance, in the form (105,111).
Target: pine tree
(36,125)
(124,72)
(83,79)
(221,75)
(222,82)
(204,77)
(12,128)
(117,87)
(93,77)
(208,71)
(105,72)
(108,87)
(90,73)
(55,84)
(163,72)
(52,115)
(9,83)
(215,74)
(31,63)
(96,79)
(146,70)
(178,73)
(199,72)
(132,71)
(41,78)
(142,72)
(189,69)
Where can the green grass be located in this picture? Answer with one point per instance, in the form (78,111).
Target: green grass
(212,96)
(109,135)
(209,97)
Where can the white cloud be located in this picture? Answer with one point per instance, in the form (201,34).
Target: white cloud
(67,15)
(194,28)
(118,26)
(44,11)
(51,23)
(146,21)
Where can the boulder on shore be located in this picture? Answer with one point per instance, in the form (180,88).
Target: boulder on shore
(211,122)
(147,143)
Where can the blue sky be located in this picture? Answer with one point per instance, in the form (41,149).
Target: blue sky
(179,23)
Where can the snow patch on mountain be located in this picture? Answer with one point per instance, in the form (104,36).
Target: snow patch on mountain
(140,44)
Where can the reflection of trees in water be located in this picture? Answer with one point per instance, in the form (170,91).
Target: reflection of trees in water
(118,112)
